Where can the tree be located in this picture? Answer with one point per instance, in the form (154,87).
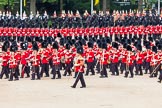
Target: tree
(33,6)
(4,4)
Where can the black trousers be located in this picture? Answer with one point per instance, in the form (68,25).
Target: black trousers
(115,68)
(56,70)
(129,70)
(5,70)
(35,72)
(160,77)
(122,67)
(45,68)
(67,69)
(98,67)
(62,66)
(81,78)
(25,69)
(147,67)
(139,69)
(104,71)
(13,74)
(90,66)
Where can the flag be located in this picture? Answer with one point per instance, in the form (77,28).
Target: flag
(24,3)
(97,2)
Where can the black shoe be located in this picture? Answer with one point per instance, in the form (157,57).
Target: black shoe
(16,79)
(101,76)
(83,87)
(86,74)
(117,74)
(47,76)
(52,78)
(131,77)
(74,77)
(38,79)
(112,74)
(6,78)
(32,79)
(10,80)
(72,87)
(159,81)
(58,78)
(126,76)
(151,76)
(145,73)
(92,74)
(64,75)
(27,77)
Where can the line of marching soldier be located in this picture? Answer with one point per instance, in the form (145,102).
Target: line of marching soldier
(124,55)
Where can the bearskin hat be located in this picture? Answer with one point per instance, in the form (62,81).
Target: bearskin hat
(7,44)
(35,46)
(44,44)
(4,48)
(62,41)
(154,49)
(115,45)
(13,48)
(104,46)
(24,45)
(90,45)
(139,47)
(80,50)
(125,45)
(68,46)
(159,46)
(129,48)
(150,38)
(55,45)
(59,35)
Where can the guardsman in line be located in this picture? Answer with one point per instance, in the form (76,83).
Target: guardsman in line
(114,59)
(56,61)
(104,61)
(68,60)
(24,62)
(139,60)
(129,62)
(45,60)
(13,64)
(35,60)
(90,59)
(153,62)
(79,66)
(5,59)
